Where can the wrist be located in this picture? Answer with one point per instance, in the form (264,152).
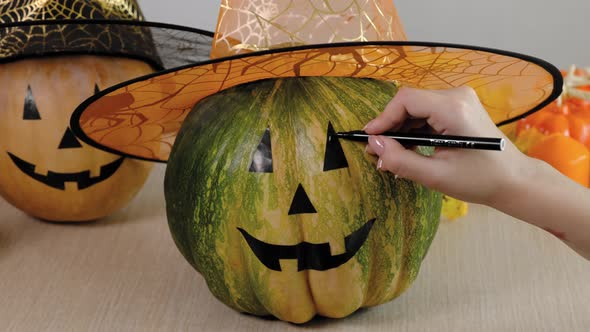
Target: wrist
(514,181)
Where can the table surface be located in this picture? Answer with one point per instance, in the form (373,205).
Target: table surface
(485,272)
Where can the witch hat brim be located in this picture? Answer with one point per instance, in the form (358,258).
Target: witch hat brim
(141,117)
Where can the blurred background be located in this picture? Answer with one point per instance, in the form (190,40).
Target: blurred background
(555,31)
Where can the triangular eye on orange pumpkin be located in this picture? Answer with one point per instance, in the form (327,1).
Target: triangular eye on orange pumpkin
(262,158)
(69,140)
(334,158)
(30,111)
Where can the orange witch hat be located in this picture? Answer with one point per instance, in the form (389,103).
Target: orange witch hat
(261,39)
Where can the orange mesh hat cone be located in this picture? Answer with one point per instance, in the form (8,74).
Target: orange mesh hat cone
(264,39)
(261,25)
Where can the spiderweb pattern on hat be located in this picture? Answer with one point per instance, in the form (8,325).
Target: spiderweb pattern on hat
(262,24)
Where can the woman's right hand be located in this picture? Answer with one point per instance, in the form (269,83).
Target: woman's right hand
(471,175)
(523,187)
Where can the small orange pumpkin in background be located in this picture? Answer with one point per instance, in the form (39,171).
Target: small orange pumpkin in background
(571,118)
(565,154)
(48,67)
(559,134)
(46,171)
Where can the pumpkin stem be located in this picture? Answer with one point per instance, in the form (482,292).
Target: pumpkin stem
(571,84)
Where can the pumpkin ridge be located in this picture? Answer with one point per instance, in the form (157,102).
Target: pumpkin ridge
(340,110)
(259,96)
(403,272)
(339,94)
(278,106)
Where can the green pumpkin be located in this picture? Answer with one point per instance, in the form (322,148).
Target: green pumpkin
(282,218)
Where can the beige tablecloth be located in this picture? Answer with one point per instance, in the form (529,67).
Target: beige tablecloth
(486,272)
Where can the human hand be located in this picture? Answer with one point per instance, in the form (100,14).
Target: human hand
(471,175)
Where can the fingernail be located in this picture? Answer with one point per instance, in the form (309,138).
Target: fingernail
(368,125)
(379,164)
(380,144)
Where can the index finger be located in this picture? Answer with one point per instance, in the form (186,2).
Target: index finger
(407,103)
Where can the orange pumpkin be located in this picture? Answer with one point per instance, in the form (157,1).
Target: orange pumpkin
(559,134)
(45,170)
(565,154)
(571,118)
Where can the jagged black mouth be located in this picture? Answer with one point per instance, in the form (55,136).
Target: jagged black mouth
(58,180)
(309,256)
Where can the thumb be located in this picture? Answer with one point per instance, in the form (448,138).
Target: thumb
(404,163)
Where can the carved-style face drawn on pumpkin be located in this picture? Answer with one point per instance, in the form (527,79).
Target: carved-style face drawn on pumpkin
(46,171)
(309,256)
(68,141)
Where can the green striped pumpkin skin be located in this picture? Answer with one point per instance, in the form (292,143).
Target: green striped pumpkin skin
(210,193)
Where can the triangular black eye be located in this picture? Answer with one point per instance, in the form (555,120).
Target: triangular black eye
(69,140)
(301,203)
(335,157)
(30,110)
(96,89)
(262,158)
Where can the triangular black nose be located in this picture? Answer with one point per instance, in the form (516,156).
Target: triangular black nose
(301,203)
(69,140)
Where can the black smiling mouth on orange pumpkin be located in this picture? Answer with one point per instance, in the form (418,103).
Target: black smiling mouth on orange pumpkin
(58,180)
(309,256)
